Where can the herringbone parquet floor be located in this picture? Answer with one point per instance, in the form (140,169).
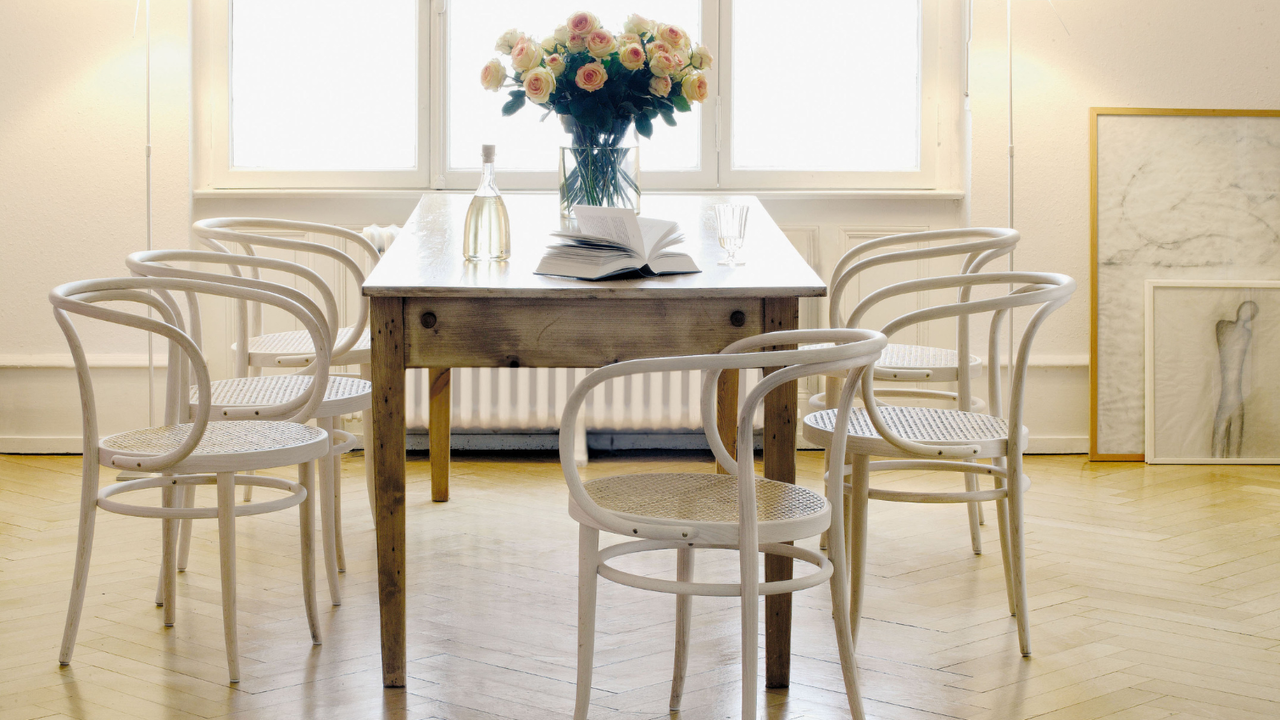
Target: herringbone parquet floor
(1156,594)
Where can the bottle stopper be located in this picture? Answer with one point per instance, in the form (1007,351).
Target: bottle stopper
(486,153)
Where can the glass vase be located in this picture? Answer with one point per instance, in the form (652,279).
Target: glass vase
(599,168)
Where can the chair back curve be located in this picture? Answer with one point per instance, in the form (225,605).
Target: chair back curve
(1045,291)
(248,233)
(846,350)
(185,360)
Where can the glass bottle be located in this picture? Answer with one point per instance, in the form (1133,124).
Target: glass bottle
(487,232)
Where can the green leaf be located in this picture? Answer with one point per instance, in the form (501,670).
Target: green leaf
(514,104)
(668,117)
(516,93)
(644,126)
(680,102)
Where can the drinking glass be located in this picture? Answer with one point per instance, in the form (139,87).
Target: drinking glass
(731,227)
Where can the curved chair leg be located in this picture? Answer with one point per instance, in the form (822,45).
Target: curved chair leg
(227,548)
(366,423)
(975,514)
(588,573)
(325,491)
(840,606)
(306,526)
(858,521)
(748,560)
(1019,573)
(184,534)
(684,612)
(84,550)
(337,508)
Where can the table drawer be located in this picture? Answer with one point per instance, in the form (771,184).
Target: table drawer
(502,332)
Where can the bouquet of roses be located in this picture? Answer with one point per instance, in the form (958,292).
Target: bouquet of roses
(601,83)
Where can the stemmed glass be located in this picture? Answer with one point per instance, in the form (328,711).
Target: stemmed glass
(731,227)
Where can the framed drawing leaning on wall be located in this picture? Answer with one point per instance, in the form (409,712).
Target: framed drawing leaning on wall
(1212,390)
(1177,195)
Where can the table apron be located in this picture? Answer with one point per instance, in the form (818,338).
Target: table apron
(506,332)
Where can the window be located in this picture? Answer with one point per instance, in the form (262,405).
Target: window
(386,93)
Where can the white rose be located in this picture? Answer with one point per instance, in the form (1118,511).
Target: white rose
(555,63)
(492,75)
(701,58)
(508,41)
(660,86)
(638,25)
(694,87)
(600,43)
(632,56)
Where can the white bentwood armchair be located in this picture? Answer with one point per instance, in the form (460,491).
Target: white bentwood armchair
(342,396)
(921,438)
(686,512)
(200,452)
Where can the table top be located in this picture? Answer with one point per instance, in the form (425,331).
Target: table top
(426,258)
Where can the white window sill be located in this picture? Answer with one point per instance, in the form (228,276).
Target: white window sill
(409,194)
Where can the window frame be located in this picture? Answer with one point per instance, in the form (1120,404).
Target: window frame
(213,69)
(923,179)
(217,92)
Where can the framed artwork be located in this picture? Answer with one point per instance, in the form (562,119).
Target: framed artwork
(1212,386)
(1176,195)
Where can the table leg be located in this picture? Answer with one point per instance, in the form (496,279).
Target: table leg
(727,414)
(388,432)
(780,465)
(439,411)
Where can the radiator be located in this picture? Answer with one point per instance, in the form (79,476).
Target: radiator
(525,400)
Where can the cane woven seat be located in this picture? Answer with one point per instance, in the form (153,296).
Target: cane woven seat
(920,357)
(298,342)
(343,395)
(226,446)
(709,498)
(920,424)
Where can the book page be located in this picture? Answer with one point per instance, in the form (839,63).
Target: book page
(617,224)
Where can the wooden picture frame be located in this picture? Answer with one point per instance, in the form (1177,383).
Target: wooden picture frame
(1186,372)
(1216,160)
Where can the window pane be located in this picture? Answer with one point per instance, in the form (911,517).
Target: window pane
(324,84)
(852,103)
(475,114)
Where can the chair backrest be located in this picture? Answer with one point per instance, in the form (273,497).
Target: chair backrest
(184,357)
(1045,291)
(853,351)
(217,233)
(978,246)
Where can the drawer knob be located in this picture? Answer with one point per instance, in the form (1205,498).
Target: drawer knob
(738,318)
(428,320)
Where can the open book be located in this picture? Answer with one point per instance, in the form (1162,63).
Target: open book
(612,241)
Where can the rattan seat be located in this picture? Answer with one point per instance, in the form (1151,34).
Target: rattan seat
(265,349)
(343,395)
(920,424)
(785,512)
(941,361)
(226,446)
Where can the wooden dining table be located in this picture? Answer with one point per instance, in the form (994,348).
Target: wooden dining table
(433,309)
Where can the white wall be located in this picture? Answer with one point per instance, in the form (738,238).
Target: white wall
(72,193)
(1111,53)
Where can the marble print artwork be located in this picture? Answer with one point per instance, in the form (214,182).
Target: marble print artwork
(1215,389)
(1179,197)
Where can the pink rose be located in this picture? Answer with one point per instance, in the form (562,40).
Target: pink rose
(673,35)
(664,64)
(577,43)
(582,23)
(539,83)
(591,76)
(660,86)
(632,56)
(701,58)
(654,48)
(694,87)
(555,63)
(526,55)
(600,43)
(492,75)
(627,38)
